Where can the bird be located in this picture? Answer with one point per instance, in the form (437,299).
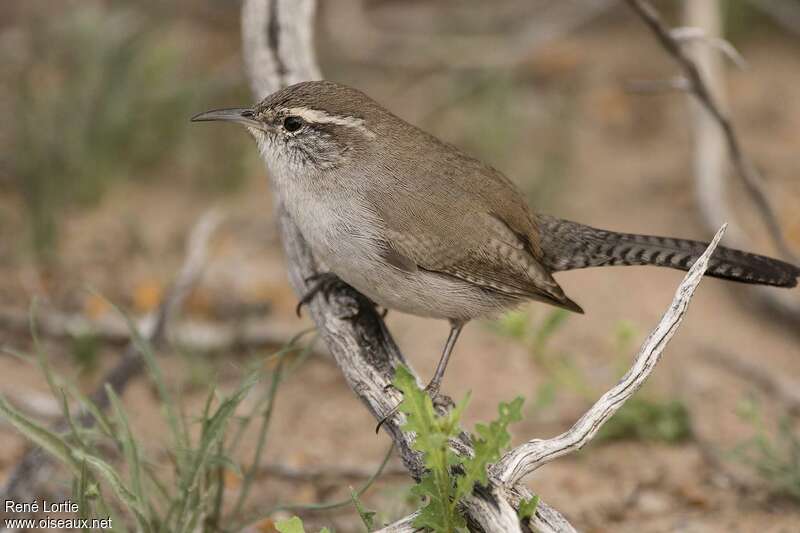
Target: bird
(418,226)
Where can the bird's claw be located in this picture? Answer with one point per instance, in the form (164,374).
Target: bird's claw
(386,417)
(323,282)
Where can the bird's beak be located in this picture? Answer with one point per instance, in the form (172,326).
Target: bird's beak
(241,115)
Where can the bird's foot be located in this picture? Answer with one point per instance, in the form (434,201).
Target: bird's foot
(323,283)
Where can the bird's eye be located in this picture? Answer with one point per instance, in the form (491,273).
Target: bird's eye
(292,123)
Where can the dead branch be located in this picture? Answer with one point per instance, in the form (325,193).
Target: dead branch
(745,168)
(33,470)
(710,157)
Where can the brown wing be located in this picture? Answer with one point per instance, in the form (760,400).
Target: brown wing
(457,234)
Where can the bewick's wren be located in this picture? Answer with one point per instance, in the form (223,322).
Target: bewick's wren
(418,226)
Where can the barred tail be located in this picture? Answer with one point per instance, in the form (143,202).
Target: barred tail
(568,245)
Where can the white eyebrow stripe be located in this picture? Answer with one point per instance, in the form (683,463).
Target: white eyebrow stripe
(321,117)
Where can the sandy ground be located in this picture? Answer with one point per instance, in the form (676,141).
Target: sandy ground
(628,169)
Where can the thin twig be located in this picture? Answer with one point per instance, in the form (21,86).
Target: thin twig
(692,33)
(745,168)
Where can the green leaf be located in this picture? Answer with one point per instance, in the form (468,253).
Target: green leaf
(129,447)
(122,492)
(41,436)
(527,508)
(291,525)
(367,517)
(439,514)
(213,430)
(491,441)
(433,434)
(439,489)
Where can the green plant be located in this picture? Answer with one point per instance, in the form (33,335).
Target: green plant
(528,507)
(109,465)
(449,477)
(367,516)
(772,454)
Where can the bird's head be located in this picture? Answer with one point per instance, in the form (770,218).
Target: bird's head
(307,127)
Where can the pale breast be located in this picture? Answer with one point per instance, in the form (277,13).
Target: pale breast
(353,252)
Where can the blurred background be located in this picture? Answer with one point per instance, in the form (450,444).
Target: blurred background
(102,177)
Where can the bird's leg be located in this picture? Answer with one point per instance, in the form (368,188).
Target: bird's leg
(432,388)
(436,381)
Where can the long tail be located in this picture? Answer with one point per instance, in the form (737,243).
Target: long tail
(568,245)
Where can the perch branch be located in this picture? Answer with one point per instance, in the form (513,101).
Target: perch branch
(32,470)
